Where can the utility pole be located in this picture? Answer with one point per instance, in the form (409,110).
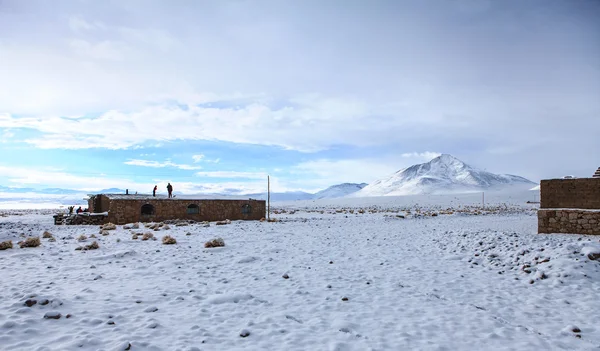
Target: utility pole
(268,198)
(482,200)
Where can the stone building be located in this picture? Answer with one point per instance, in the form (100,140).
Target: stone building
(570,206)
(129,208)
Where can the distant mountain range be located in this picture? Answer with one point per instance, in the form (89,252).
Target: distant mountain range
(57,191)
(340,190)
(443,174)
(335,191)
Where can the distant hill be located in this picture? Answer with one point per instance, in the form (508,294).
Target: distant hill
(57,191)
(111,191)
(340,190)
(286,196)
(334,191)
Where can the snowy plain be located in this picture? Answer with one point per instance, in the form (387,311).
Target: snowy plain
(389,273)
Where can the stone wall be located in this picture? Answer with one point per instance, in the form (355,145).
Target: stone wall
(569,206)
(581,193)
(569,221)
(122,211)
(98,203)
(85,219)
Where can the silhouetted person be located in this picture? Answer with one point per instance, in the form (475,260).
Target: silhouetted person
(79,210)
(170,190)
(154,190)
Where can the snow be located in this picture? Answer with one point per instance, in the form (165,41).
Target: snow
(339,190)
(442,175)
(360,277)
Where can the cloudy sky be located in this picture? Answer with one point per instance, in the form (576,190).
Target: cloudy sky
(215,95)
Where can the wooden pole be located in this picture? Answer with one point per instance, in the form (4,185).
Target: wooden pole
(268,198)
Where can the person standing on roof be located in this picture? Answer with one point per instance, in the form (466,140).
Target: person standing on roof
(170,190)
(154,190)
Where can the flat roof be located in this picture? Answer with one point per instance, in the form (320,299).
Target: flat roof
(175,198)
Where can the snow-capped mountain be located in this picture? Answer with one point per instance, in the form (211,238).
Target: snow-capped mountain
(339,190)
(443,174)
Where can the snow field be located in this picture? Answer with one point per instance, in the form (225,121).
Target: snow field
(368,281)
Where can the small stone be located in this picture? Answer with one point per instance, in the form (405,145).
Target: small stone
(345,299)
(244,333)
(576,330)
(68,316)
(44,302)
(151,309)
(52,315)
(285,276)
(330,262)
(595,256)
(111,322)
(30,303)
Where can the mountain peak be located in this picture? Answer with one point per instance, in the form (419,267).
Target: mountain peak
(443,174)
(447,159)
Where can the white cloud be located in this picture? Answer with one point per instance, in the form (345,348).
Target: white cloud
(476,77)
(320,174)
(102,50)
(202,158)
(6,136)
(157,164)
(310,127)
(42,178)
(79,24)
(425,156)
(233,174)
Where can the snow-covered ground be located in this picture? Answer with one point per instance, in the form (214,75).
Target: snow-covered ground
(437,273)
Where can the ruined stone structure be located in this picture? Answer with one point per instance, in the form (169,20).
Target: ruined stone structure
(122,208)
(570,206)
(597,173)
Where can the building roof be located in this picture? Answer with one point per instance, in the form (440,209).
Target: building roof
(176,197)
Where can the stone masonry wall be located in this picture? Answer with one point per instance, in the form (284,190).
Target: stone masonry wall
(85,219)
(98,204)
(581,193)
(569,221)
(122,211)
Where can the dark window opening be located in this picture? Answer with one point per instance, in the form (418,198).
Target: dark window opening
(246,209)
(147,210)
(193,209)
